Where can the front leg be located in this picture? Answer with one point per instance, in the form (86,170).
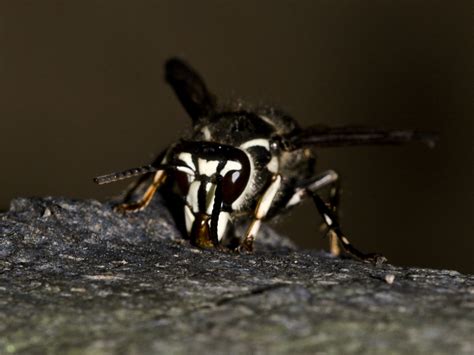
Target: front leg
(261,211)
(158,180)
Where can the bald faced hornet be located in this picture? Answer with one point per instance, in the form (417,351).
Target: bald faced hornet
(246,164)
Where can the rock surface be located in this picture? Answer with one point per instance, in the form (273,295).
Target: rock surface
(78,278)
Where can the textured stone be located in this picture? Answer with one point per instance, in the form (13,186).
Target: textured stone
(78,277)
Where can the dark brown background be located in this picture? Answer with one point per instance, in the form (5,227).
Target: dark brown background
(82,93)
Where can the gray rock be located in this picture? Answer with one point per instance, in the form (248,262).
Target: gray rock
(77,277)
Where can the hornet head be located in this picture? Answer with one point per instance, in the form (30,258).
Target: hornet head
(212,178)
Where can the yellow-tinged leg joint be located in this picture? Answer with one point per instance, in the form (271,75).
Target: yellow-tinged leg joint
(334,247)
(158,180)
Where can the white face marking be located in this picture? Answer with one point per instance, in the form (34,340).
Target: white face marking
(268,197)
(224,219)
(189,218)
(207,167)
(192,196)
(210,196)
(328,220)
(187,158)
(261,142)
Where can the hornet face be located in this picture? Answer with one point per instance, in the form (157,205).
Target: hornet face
(211,177)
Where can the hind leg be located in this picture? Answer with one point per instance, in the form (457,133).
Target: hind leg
(338,241)
(333,224)
(330,179)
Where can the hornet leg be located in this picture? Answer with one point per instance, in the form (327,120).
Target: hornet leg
(137,185)
(327,178)
(158,179)
(333,224)
(260,212)
(329,214)
(333,204)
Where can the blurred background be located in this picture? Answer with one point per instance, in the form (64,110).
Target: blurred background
(82,94)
